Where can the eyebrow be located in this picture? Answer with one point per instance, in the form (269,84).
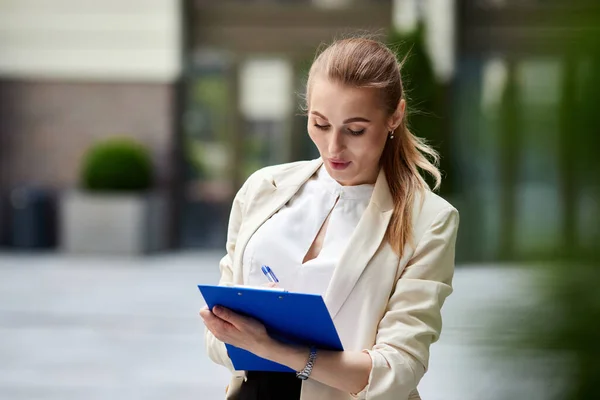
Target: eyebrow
(349,120)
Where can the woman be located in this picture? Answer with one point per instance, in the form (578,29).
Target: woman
(358,226)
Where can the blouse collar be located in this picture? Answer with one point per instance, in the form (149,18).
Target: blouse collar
(364,191)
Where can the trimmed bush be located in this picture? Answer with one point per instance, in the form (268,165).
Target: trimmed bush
(117,165)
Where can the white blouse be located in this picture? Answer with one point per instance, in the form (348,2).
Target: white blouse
(283,241)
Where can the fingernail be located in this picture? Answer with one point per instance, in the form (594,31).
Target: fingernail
(216,309)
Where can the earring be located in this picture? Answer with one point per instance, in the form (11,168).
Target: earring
(391,133)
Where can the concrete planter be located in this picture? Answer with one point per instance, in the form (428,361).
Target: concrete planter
(119,224)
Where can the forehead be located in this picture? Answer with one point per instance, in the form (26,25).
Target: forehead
(332,99)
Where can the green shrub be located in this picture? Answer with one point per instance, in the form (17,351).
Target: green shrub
(117,165)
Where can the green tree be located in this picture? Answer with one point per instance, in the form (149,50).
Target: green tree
(428,115)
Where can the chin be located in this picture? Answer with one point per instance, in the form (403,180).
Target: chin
(343,176)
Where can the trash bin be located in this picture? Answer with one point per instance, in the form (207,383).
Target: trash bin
(3,220)
(32,215)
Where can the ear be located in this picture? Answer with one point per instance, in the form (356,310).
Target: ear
(396,118)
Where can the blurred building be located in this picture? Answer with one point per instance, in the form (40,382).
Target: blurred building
(245,73)
(75,71)
(518,135)
(213,87)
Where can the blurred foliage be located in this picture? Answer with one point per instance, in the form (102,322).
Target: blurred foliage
(565,320)
(210,93)
(195,152)
(580,141)
(510,143)
(559,321)
(255,153)
(574,295)
(117,164)
(206,129)
(573,328)
(424,96)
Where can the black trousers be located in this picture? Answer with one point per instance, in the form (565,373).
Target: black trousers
(271,386)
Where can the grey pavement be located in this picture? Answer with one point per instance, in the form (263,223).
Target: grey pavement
(128,328)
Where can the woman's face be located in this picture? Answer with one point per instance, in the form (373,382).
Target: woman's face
(350,128)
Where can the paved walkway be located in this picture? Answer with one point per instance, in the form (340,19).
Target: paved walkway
(113,328)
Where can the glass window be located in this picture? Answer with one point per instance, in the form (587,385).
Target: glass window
(207,151)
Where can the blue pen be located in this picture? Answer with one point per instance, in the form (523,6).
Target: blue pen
(269,274)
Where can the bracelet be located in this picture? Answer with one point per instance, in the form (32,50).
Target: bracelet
(305,373)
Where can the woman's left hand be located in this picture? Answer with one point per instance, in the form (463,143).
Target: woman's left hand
(235,329)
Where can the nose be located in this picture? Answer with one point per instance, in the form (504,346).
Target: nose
(336,143)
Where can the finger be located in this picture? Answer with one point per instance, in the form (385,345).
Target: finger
(211,320)
(271,284)
(218,327)
(229,316)
(205,313)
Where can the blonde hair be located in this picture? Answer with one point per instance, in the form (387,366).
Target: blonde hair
(364,62)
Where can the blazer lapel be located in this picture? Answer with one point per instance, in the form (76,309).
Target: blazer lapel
(269,196)
(365,241)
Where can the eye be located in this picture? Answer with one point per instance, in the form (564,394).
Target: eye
(321,127)
(356,133)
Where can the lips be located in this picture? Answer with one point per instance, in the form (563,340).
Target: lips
(338,164)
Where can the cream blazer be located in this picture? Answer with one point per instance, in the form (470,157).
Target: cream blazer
(380,303)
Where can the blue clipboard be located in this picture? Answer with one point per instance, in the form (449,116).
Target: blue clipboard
(298,318)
